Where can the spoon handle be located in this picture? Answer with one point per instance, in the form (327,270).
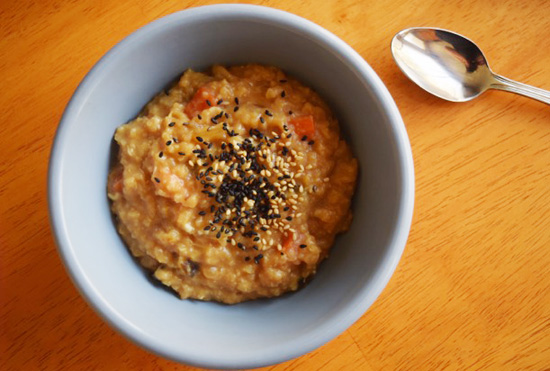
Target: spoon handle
(503,83)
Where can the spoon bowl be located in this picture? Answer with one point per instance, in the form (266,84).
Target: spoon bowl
(451,66)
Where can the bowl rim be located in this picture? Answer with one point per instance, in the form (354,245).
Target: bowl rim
(348,56)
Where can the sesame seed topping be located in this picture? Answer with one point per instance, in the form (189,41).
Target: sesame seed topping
(208,102)
(157,180)
(168,142)
(171,124)
(161,154)
(283,94)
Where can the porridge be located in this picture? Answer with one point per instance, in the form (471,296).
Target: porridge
(232,185)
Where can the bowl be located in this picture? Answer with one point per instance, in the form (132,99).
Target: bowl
(255,333)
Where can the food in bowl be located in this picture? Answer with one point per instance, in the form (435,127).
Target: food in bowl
(232,185)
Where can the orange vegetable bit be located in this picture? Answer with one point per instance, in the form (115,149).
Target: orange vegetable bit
(200,101)
(303,125)
(287,241)
(116,184)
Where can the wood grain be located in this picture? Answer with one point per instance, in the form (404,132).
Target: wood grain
(473,288)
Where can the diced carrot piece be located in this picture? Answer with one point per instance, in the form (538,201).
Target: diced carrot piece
(287,241)
(116,183)
(198,102)
(303,125)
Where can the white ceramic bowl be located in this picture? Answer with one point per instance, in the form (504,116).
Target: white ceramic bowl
(260,332)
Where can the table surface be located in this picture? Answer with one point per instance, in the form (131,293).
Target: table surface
(472,290)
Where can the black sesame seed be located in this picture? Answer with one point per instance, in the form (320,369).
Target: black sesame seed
(202,212)
(208,102)
(268,113)
(171,124)
(200,117)
(236,101)
(219,102)
(207,228)
(236,109)
(200,139)
(181,153)
(247,258)
(169,142)
(262,120)
(175,140)
(286,208)
(290,112)
(256,239)
(214,121)
(161,154)
(304,138)
(311,142)
(157,180)
(257,258)
(303,246)
(218,235)
(289,218)
(283,94)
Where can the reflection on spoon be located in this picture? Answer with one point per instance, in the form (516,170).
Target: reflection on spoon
(451,66)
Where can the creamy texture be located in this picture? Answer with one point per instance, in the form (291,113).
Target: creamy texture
(232,185)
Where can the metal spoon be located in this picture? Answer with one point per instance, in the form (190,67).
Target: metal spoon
(450,66)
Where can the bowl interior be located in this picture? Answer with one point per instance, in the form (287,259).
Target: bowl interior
(255,333)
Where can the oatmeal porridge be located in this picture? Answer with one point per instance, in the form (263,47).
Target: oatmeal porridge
(232,185)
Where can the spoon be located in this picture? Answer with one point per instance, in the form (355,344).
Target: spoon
(451,66)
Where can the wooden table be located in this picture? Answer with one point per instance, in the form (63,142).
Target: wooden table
(472,290)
